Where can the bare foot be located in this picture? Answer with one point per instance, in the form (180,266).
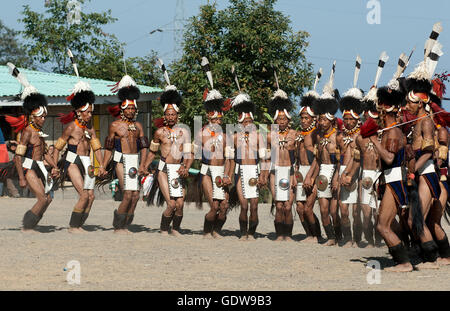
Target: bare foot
(405,267)
(288,239)
(175,233)
(443,261)
(355,245)
(164,232)
(81,230)
(73,230)
(370,246)
(120,231)
(279,238)
(216,235)
(127,231)
(330,243)
(348,244)
(207,236)
(309,239)
(29,231)
(243,238)
(251,238)
(427,265)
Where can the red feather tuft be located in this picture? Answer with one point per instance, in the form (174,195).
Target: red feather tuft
(158,122)
(66,118)
(226,104)
(114,87)
(340,124)
(369,128)
(443,117)
(205,93)
(114,111)
(18,123)
(70,97)
(438,87)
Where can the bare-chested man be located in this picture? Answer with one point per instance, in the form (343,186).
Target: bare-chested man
(80,137)
(366,158)
(282,181)
(126,137)
(306,192)
(391,150)
(326,157)
(175,145)
(215,170)
(33,149)
(423,144)
(351,107)
(245,148)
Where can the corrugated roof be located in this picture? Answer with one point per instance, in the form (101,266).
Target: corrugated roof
(57,85)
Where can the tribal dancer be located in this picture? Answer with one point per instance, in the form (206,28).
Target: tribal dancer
(306,191)
(33,149)
(80,137)
(126,138)
(214,172)
(176,159)
(351,107)
(282,142)
(246,149)
(423,143)
(326,155)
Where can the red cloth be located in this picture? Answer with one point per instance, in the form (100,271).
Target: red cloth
(4,158)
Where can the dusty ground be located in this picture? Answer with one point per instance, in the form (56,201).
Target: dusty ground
(146,260)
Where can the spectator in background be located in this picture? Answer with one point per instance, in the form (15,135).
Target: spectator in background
(7,170)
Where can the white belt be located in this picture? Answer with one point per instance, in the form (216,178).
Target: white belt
(71,157)
(427,168)
(117,156)
(393,174)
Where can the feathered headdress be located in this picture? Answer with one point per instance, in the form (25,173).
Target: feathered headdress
(81,96)
(170,98)
(327,103)
(280,102)
(242,103)
(128,94)
(212,99)
(351,102)
(310,96)
(370,100)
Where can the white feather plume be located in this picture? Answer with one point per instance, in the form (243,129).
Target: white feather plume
(170,88)
(318,76)
(313,94)
(208,73)
(356,74)
(280,93)
(166,75)
(354,92)
(75,68)
(328,89)
(126,82)
(431,64)
(403,58)
(371,95)
(420,72)
(28,89)
(81,86)
(239,99)
(383,57)
(213,94)
(394,84)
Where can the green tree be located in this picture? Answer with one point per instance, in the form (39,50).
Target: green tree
(10,48)
(257,40)
(98,54)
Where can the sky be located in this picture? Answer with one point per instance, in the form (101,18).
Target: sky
(339,30)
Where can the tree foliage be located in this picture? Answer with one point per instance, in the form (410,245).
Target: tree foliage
(98,54)
(257,40)
(10,48)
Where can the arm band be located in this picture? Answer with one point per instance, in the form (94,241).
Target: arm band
(21,150)
(143,141)
(229,152)
(195,148)
(356,154)
(443,152)
(95,144)
(427,145)
(154,147)
(60,144)
(187,148)
(109,143)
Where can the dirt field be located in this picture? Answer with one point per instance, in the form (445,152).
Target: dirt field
(146,260)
